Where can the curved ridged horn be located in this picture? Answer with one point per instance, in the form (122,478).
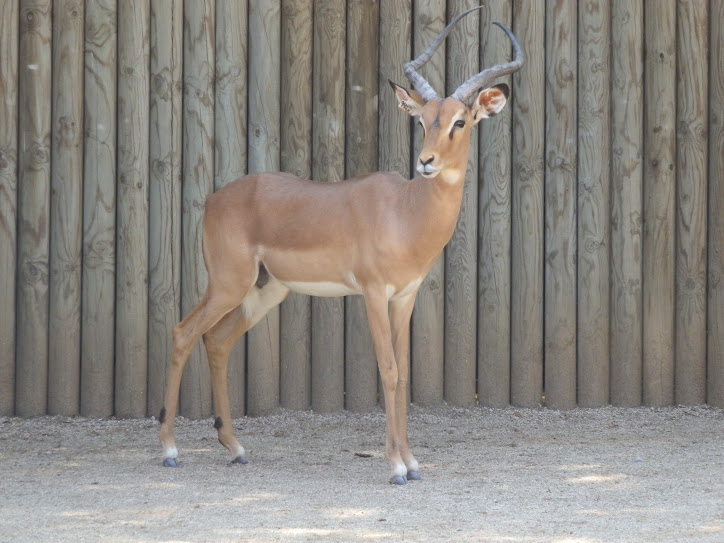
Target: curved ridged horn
(410,69)
(484,78)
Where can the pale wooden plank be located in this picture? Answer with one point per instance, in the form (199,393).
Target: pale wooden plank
(360,158)
(33,207)
(560,220)
(494,223)
(230,142)
(594,155)
(99,210)
(66,208)
(198,183)
(132,220)
(395,37)
(264,154)
(659,203)
(295,380)
(626,203)
(691,172)
(427,350)
(526,349)
(165,163)
(328,166)
(8,199)
(715,302)
(463,59)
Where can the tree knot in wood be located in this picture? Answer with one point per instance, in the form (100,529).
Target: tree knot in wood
(35,272)
(39,156)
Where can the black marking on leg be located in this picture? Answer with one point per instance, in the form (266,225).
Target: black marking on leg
(263,277)
(162,416)
(218,423)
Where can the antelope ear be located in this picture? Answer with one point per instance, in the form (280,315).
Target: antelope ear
(490,102)
(409,101)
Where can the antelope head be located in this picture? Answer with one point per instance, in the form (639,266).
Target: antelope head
(447,122)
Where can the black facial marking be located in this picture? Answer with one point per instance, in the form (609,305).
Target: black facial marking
(162,415)
(218,423)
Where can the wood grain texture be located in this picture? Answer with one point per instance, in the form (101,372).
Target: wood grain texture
(198,183)
(427,350)
(230,142)
(494,223)
(165,164)
(263,155)
(99,210)
(659,203)
(594,155)
(360,158)
(715,301)
(328,167)
(560,220)
(526,348)
(295,380)
(394,125)
(463,58)
(8,199)
(33,208)
(66,208)
(132,220)
(626,202)
(691,172)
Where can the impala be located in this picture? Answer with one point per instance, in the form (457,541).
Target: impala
(377,235)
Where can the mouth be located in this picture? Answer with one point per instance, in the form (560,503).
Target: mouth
(427,171)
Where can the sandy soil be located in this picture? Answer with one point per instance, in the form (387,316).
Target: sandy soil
(584,476)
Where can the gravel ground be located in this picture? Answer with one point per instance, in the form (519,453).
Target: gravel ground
(489,475)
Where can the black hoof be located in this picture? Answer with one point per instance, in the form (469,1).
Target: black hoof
(240,460)
(170,462)
(414,476)
(398,480)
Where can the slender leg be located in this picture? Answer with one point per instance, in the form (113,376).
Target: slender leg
(376,304)
(219,341)
(400,313)
(206,314)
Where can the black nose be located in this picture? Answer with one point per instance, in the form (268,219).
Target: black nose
(428,161)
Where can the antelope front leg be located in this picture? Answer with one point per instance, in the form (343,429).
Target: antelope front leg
(400,313)
(376,304)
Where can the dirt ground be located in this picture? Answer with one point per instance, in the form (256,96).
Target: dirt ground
(584,476)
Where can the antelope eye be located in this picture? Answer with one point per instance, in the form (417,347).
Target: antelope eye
(460,123)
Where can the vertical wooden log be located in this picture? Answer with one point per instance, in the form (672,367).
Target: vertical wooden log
(99,210)
(394,125)
(494,223)
(264,153)
(361,157)
(198,183)
(715,302)
(529,97)
(460,255)
(132,220)
(230,142)
(594,28)
(33,208)
(295,380)
(8,199)
(691,163)
(626,203)
(659,203)
(328,167)
(66,208)
(165,140)
(560,223)
(427,350)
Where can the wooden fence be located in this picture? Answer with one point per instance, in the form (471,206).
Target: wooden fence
(588,263)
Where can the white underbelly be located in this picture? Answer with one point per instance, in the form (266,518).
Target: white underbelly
(322,288)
